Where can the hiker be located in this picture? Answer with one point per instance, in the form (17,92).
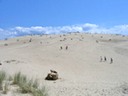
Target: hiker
(105,58)
(111,60)
(97,41)
(66,47)
(101,59)
(61,48)
(30,40)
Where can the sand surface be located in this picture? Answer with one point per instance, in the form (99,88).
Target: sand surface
(80,71)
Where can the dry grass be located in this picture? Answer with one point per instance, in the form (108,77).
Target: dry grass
(2,78)
(5,87)
(28,85)
(25,84)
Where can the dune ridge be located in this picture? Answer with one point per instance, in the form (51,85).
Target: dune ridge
(81,73)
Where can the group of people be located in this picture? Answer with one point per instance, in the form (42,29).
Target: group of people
(104,59)
(62,47)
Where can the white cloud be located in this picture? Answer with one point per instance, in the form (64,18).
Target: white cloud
(92,28)
(1,29)
(121,29)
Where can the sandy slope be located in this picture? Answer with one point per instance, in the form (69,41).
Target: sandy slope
(80,70)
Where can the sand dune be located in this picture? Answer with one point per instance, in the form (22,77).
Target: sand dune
(80,71)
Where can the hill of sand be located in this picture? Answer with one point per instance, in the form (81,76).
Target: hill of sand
(81,73)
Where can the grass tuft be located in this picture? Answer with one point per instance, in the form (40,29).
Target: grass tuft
(25,85)
(5,88)
(10,78)
(17,77)
(40,92)
(2,78)
(28,86)
(35,83)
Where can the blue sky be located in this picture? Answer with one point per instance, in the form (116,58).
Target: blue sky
(62,12)
(55,13)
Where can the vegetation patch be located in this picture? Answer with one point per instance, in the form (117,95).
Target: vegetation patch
(24,84)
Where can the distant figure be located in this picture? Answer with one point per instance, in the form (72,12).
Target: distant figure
(61,47)
(110,40)
(5,44)
(30,40)
(101,59)
(101,36)
(105,58)
(97,41)
(40,42)
(111,61)
(64,39)
(66,47)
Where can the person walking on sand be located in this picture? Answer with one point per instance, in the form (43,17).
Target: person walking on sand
(111,61)
(101,59)
(66,47)
(105,58)
(61,47)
